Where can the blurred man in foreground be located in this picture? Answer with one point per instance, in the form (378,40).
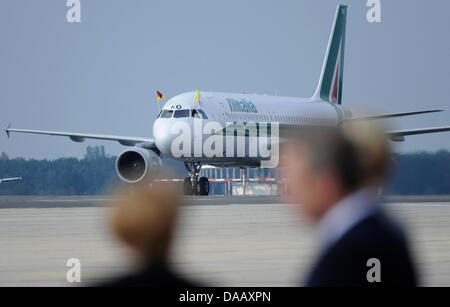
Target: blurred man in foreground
(145,220)
(334,174)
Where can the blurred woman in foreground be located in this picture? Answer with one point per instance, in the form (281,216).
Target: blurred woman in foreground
(145,221)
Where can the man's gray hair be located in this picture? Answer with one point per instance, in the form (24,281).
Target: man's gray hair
(336,149)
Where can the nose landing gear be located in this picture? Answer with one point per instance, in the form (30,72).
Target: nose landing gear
(192,184)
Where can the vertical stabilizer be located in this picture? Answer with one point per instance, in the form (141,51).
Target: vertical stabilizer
(331,78)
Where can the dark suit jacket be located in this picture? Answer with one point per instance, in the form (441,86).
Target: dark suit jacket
(155,275)
(344,263)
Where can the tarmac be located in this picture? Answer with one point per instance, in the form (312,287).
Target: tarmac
(222,241)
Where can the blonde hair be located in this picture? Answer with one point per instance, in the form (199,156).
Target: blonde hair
(373,147)
(145,218)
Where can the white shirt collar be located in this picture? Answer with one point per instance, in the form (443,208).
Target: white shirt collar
(344,215)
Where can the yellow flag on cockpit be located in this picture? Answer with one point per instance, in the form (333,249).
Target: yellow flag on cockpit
(197,96)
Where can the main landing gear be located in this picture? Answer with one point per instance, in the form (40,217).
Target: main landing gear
(192,184)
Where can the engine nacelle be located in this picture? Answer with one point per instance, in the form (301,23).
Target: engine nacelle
(137,164)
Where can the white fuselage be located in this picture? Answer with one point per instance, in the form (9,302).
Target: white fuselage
(226,108)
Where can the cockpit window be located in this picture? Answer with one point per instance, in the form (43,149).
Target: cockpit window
(195,114)
(203,114)
(181,113)
(166,113)
(159,114)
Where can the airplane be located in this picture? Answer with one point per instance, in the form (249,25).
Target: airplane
(324,108)
(10,179)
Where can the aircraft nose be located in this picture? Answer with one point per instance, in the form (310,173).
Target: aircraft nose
(162,135)
(166,130)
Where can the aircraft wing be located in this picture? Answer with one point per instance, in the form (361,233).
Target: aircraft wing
(80,137)
(399,135)
(392,115)
(10,179)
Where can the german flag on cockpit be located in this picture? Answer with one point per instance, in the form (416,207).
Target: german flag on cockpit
(160,95)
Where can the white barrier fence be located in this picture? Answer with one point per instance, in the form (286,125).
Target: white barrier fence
(259,185)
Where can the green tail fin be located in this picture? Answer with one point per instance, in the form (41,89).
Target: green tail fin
(331,78)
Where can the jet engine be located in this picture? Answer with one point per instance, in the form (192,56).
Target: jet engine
(136,164)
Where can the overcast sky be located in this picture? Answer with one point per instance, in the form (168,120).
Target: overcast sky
(100,75)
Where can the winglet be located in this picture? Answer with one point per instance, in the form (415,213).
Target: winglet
(7,129)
